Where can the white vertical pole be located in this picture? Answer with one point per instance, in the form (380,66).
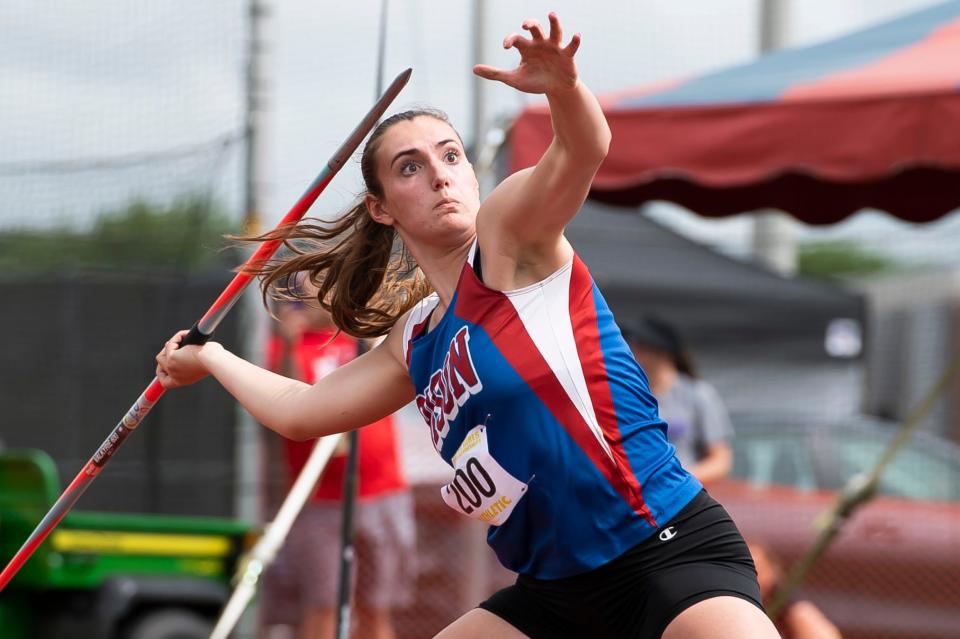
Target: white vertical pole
(475,587)
(253,322)
(480,124)
(773,231)
(254,326)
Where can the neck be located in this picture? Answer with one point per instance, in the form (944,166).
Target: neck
(442,266)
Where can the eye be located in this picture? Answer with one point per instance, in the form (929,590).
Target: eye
(451,156)
(408,168)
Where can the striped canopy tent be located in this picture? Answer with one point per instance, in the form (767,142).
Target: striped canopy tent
(870,120)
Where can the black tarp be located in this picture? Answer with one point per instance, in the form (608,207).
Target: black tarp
(79,349)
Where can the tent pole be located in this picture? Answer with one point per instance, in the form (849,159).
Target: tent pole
(773,242)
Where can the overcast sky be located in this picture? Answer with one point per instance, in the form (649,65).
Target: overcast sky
(96,80)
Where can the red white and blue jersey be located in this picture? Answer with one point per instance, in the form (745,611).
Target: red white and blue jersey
(535,400)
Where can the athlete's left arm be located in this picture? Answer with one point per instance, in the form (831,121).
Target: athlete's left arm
(526,214)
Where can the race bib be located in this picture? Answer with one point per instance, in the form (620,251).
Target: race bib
(481,487)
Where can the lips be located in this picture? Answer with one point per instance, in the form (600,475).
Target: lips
(445,201)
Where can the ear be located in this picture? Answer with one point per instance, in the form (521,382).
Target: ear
(376,210)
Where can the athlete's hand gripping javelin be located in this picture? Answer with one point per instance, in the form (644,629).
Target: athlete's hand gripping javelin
(178,365)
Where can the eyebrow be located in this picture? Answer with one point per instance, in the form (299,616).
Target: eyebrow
(414,151)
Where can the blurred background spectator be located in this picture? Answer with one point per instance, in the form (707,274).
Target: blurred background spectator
(697,420)
(301,589)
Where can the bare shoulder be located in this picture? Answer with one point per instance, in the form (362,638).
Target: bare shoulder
(494,211)
(513,258)
(395,340)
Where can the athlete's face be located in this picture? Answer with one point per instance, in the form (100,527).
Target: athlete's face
(430,192)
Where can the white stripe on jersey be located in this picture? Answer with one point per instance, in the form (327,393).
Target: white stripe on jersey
(417,314)
(544,309)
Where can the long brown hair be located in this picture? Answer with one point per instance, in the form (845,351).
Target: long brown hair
(363,274)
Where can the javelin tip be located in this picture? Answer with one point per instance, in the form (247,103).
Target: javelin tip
(369,121)
(396,87)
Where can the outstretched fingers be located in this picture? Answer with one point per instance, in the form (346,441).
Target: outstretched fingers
(545,64)
(518,41)
(556,31)
(536,31)
(537,36)
(491,73)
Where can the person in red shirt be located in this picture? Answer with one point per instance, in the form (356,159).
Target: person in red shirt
(306,345)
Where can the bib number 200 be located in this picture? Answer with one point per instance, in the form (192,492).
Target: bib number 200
(481,487)
(471,485)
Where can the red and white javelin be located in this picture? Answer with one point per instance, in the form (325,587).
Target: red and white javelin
(199,334)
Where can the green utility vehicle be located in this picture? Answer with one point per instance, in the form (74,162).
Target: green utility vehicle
(109,576)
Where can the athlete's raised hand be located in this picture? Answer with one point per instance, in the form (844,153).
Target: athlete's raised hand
(546,66)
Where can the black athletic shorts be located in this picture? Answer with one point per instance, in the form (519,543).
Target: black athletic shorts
(696,555)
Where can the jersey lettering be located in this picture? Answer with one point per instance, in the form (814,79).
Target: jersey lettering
(449,388)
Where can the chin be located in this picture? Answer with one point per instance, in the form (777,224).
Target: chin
(455,232)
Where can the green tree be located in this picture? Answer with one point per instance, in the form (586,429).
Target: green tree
(838,260)
(186,235)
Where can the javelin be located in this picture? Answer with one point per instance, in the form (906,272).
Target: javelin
(199,334)
(263,553)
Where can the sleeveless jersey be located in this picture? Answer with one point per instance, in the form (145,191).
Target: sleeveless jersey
(535,400)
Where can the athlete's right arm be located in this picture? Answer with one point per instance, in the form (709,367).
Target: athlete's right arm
(358,393)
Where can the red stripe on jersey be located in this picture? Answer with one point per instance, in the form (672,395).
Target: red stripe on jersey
(417,329)
(586,333)
(493,311)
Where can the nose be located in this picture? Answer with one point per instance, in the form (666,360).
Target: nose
(441,176)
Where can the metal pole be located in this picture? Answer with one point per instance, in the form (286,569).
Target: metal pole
(474,537)
(773,241)
(347,554)
(255,116)
(248,448)
(480,118)
(348,508)
(479,106)
(253,322)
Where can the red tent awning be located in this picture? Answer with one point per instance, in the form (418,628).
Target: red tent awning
(868,120)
